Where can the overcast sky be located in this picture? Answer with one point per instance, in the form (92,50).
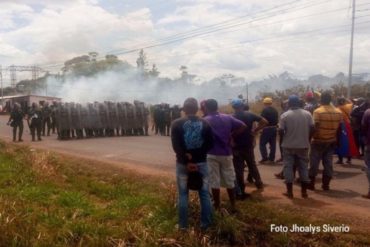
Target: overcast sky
(256,38)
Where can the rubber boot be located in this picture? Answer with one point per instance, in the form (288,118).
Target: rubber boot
(289,188)
(325,182)
(311,185)
(304,190)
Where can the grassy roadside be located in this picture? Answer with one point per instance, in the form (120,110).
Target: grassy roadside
(49,200)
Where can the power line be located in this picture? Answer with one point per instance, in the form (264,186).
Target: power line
(310,32)
(192,35)
(186,33)
(207,33)
(187,37)
(328,30)
(212,25)
(285,20)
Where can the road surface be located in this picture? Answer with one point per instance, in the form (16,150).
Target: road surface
(154,154)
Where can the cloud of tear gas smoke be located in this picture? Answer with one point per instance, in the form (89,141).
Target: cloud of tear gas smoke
(128,86)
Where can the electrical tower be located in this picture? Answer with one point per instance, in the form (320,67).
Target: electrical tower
(13,69)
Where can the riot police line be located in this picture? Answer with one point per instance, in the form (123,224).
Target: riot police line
(71,120)
(98,119)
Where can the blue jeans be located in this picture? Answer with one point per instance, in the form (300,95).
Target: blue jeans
(324,152)
(367,162)
(294,156)
(205,201)
(268,136)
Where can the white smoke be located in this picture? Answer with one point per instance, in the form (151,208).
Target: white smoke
(129,86)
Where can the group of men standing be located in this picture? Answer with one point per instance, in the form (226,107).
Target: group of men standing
(314,135)
(34,120)
(71,120)
(213,150)
(101,119)
(163,115)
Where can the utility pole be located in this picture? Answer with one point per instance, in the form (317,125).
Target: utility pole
(351,50)
(247,87)
(1,81)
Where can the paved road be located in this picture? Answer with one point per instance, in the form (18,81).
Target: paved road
(155,153)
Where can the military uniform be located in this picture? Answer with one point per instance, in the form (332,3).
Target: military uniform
(46,119)
(103,117)
(16,122)
(167,119)
(35,121)
(64,122)
(76,122)
(53,109)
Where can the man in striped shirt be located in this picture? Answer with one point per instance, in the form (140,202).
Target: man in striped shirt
(327,121)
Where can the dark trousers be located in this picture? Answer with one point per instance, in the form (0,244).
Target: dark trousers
(54,124)
(268,136)
(321,152)
(358,140)
(295,158)
(240,157)
(20,133)
(46,123)
(36,128)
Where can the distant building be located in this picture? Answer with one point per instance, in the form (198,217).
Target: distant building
(25,101)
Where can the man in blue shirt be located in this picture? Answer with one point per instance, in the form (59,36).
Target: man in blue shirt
(243,148)
(191,139)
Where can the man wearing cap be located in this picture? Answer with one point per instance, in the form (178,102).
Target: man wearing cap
(327,130)
(296,126)
(192,138)
(269,132)
(221,170)
(243,148)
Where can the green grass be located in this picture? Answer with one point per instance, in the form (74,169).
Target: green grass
(50,200)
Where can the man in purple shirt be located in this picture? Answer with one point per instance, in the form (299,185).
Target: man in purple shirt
(219,158)
(365,125)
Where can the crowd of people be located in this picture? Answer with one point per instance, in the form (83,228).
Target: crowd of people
(163,114)
(73,120)
(213,151)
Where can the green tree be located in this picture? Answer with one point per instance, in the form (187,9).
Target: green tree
(184,72)
(154,71)
(142,62)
